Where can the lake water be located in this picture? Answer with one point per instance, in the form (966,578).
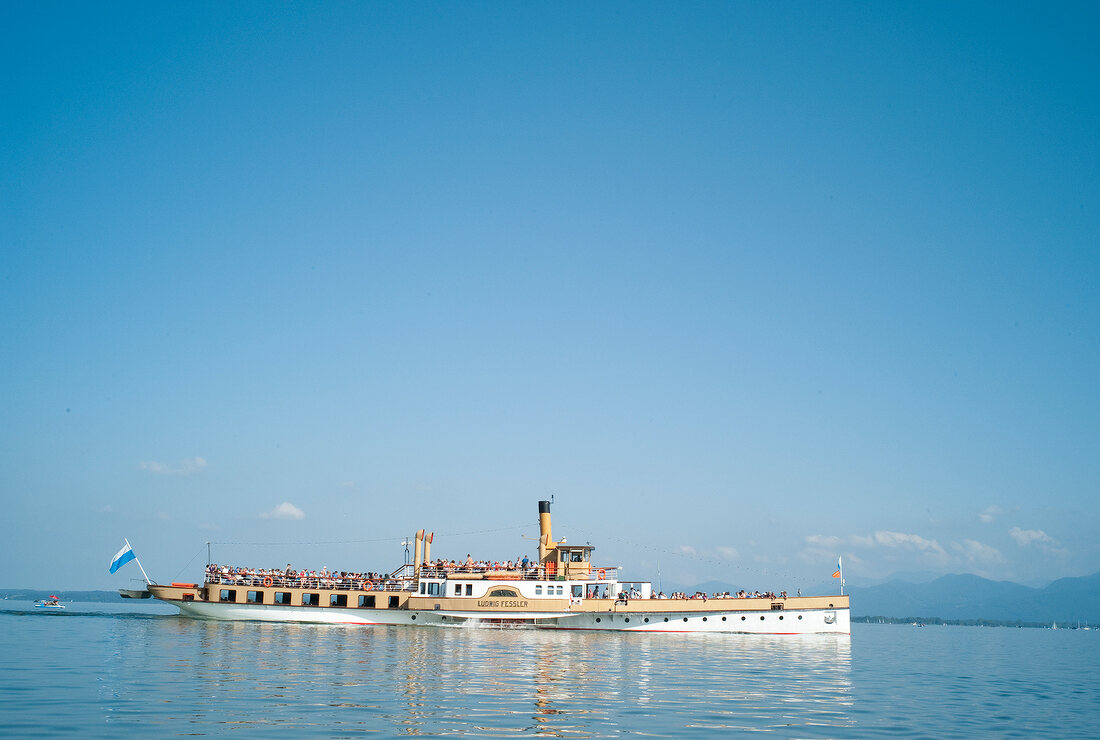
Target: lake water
(138,669)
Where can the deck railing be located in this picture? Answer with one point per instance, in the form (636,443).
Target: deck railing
(549,572)
(330,583)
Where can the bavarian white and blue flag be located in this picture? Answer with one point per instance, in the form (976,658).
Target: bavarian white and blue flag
(123,556)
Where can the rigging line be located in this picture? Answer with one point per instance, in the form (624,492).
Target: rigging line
(487,531)
(748,570)
(318,542)
(180,572)
(380,539)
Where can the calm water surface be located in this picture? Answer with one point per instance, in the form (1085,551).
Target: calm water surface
(137,669)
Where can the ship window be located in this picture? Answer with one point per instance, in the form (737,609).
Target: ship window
(560,591)
(255,597)
(458,589)
(469,589)
(282,597)
(800,616)
(578,591)
(704,619)
(503,592)
(191,597)
(742,619)
(228,594)
(761,617)
(311,599)
(597,619)
(366,601)
(394,601)
(423,588)
(338,600)
(647,620)
(538,590)
(576,556)
(433,589)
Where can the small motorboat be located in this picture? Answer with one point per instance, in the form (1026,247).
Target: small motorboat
(51,603)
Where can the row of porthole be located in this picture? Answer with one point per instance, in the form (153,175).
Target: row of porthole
(646,620)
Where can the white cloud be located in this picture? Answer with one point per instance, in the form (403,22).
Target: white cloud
(860,540)
(728,552)
(827,541)
(990,513)
(285,510)
(184,467)
(977,552)
(687,549)
(906,541)
(1025,537)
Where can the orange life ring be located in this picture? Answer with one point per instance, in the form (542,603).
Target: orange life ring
(268,581)
(366,585)
(601,573)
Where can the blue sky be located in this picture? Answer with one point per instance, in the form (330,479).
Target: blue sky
(745,287)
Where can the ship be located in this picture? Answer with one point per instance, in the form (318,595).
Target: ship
(564,589)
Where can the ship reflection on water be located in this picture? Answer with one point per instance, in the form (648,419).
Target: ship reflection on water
(495,682)
(591,684)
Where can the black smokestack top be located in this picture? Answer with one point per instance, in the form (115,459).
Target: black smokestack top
(544,507)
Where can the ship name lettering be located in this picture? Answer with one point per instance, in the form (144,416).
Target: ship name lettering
(499,604)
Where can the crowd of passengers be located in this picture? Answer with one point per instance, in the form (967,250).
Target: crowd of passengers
(527,567)
(291,577)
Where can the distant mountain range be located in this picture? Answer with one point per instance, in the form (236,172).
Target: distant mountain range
(956,597)
(972,597)
(966,597)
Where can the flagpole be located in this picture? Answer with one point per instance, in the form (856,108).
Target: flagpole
(840,567)
(147,581)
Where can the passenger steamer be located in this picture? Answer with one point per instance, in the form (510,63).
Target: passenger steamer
(564,590)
